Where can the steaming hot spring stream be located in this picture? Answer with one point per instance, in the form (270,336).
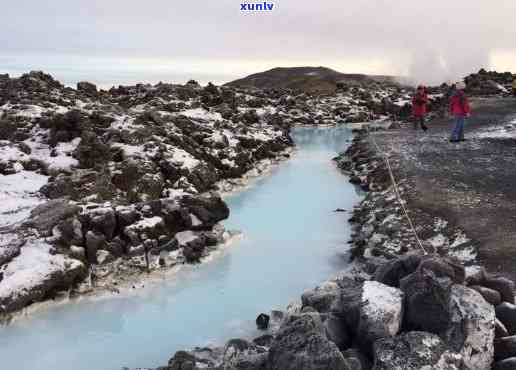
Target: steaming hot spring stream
(292,240)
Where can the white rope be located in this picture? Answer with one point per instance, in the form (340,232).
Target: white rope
(397,192)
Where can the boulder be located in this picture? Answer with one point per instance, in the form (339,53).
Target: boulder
(10,246)
(506,313)
(94,242)
(87,87)
(393,271)
(104,257)
(48,215)
(71,232)
(116,247)
(126,216)
(348,303)
(503,285)
(263,340)
(490,295)
(262,321)
(78,253)
(476,276)
(193,245)
(301,344)
(240,354)
(203,177)
(322,297)
(336,331)
(182,361)
(381,312)
(444,267)
(208,209)
(23,284)
(151,227)
(415,351)
(505,348)
(104,221)
(91,151)
(427,301)
(471,328)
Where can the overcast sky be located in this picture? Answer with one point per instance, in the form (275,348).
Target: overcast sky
(429,40)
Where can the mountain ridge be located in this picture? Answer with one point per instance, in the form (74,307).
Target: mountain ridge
(308,79)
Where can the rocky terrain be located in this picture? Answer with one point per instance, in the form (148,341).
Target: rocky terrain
(414,312)
(488,83)
(402,305)
(100,186)
(116,183)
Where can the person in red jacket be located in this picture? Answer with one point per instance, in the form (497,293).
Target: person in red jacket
(419,102)
(459,108)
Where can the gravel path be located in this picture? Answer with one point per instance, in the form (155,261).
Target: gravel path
(471,184)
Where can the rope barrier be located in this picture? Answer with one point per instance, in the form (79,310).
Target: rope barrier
(397,192)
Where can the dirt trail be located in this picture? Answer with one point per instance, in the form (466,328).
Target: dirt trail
(471,184)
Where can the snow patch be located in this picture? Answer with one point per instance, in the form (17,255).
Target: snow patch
(34,265)
(18,195)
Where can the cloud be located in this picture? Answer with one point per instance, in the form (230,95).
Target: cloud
(430,41)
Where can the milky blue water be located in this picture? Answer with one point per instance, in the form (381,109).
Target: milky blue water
(292,241)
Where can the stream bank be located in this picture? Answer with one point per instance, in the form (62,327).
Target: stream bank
(283,218)
(388,316)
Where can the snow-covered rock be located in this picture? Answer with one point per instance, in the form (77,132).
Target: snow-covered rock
(472,327)
(35,274)
(381,313)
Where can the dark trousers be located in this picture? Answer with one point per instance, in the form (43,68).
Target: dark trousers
(420,121)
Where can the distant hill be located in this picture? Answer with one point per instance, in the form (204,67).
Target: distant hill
(307,79)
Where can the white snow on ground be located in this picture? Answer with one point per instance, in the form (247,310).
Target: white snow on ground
(185,237)
(32,111)
(465,255)
(184,158)
(508,131)
(461,250)
(130,150)
(200,113)
(174,193)
(34,265)
(228,162)
(146,223)
(125,122)
(438,241)
(195,220)
(63,160)
(18,195)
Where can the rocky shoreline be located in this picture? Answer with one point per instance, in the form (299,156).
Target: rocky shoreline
(395,307)
(102,185)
